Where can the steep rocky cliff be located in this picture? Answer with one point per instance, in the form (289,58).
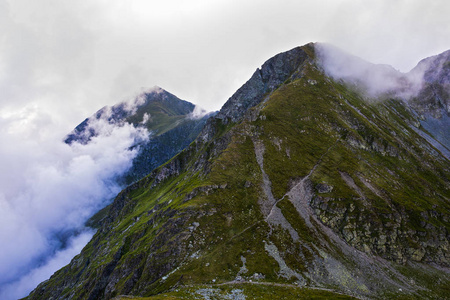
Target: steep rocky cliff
(298,183)
(433,101)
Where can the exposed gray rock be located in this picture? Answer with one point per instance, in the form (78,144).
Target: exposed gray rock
(389,239)
(323,188)
(272,74)
(285,271)
(434,96)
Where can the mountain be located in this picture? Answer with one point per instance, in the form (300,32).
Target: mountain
(433,100)
(172,123)
(304,185)
(434,96)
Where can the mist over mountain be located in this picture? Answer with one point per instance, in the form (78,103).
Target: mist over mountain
(63,184)
(322,176)
(48,191)
(425,88)
(379,80)
(172,124)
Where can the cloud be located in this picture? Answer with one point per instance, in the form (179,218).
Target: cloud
(20,288)
(375,80)
(198,113)
(48,189)
(73,57)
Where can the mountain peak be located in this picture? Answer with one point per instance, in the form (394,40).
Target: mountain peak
(155,90)
(434,95)
(435,68)
(275,71)
(155,102)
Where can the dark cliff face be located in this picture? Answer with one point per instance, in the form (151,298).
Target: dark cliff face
(161,148)
(298,181)
(283,67)
(432,102)
(272,74)
(434,96)
(435,69)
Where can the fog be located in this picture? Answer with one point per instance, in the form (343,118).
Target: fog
(49,189)
(72,57)
(375,80)
(19,288)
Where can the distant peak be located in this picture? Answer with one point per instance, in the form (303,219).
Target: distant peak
(152,94)
(441,56)
(434,68)
(155,90)
(266,79)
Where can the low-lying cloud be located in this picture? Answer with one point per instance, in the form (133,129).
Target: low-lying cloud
(60,258)
(48,190)
(198,113)
(376,80)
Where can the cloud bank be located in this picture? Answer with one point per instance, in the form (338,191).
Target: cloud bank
(198,113)
(48,190)
(19,288)
(75,56)
(375,80)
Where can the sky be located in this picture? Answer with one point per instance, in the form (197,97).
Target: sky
(61,61)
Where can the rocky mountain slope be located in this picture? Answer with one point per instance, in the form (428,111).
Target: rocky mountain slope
(298,186)
(433,101)
(172,123)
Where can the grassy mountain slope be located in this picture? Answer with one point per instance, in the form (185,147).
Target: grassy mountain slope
(309,186)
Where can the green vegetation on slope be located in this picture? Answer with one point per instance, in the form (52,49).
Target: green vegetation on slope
(310,189)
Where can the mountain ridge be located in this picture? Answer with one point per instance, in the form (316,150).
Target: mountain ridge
(309,184)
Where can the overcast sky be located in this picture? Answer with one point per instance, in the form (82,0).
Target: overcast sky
(70,58)
(62,60)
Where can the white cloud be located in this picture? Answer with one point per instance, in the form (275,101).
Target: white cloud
(20,288)
(49,189)
(197,113)
(73,57)
(375,79)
